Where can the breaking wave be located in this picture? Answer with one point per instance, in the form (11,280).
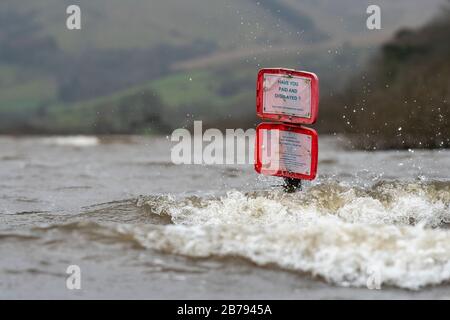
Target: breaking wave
(332,231)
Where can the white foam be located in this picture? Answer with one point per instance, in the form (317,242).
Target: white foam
(73,141)
(341,241)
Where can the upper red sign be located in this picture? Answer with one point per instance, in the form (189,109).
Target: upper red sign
(287,95)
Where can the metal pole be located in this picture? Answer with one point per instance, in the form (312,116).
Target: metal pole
(292,185)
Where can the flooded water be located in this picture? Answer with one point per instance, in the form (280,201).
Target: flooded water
(139,226)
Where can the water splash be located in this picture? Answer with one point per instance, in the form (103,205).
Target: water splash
(332,231)
(335,232)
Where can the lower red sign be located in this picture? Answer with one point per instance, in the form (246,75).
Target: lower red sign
(286,151)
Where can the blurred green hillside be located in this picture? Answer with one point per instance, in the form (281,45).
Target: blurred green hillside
(151,66)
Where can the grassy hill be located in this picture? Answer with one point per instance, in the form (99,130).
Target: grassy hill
(112,24)
(228,23)
(208,51)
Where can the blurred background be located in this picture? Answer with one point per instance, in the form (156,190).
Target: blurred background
(148,67)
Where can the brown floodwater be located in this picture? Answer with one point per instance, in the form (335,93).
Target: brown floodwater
(139,226)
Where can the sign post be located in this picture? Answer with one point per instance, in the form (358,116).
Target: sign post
(285,148)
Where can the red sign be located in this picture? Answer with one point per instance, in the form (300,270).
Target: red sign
(287,95)
(286,150)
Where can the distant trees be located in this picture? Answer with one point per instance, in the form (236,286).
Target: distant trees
(135,113)
(403,100)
